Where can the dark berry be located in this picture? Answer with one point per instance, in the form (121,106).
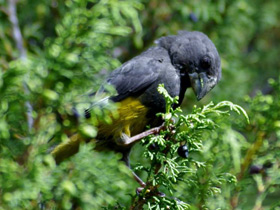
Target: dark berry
(255,169)
(193,17)
(87,114)
(183,151)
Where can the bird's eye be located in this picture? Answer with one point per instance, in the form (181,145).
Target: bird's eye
(205,63)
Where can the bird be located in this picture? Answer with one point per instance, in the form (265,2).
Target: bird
(188,59)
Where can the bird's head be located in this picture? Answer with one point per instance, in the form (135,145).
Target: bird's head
(195,56)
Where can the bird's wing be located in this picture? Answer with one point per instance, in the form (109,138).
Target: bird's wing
(134,77)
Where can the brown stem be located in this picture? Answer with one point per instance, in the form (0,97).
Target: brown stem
(140,136)
(138,179)
(251,152)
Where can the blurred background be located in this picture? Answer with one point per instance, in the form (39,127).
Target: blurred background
(65,51)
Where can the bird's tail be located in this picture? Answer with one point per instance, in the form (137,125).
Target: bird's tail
(68,148)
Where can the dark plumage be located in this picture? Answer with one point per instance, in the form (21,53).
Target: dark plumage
(175,61)
(188,59)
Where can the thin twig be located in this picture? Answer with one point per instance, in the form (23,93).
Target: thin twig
(12,14)
(140,136)
(151,190)
(251,152)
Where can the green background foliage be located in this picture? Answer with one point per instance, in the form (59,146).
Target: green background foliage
(72,45)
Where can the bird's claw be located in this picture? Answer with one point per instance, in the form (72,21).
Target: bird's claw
(123,139)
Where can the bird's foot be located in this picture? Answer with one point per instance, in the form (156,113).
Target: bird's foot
(123,140)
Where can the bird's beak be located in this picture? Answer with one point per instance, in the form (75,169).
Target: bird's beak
(201,83)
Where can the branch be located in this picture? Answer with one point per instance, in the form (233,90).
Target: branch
(12,14)
(150,189)
(251,152)
(140,136)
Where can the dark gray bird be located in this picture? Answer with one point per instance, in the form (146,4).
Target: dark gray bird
(188,59)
